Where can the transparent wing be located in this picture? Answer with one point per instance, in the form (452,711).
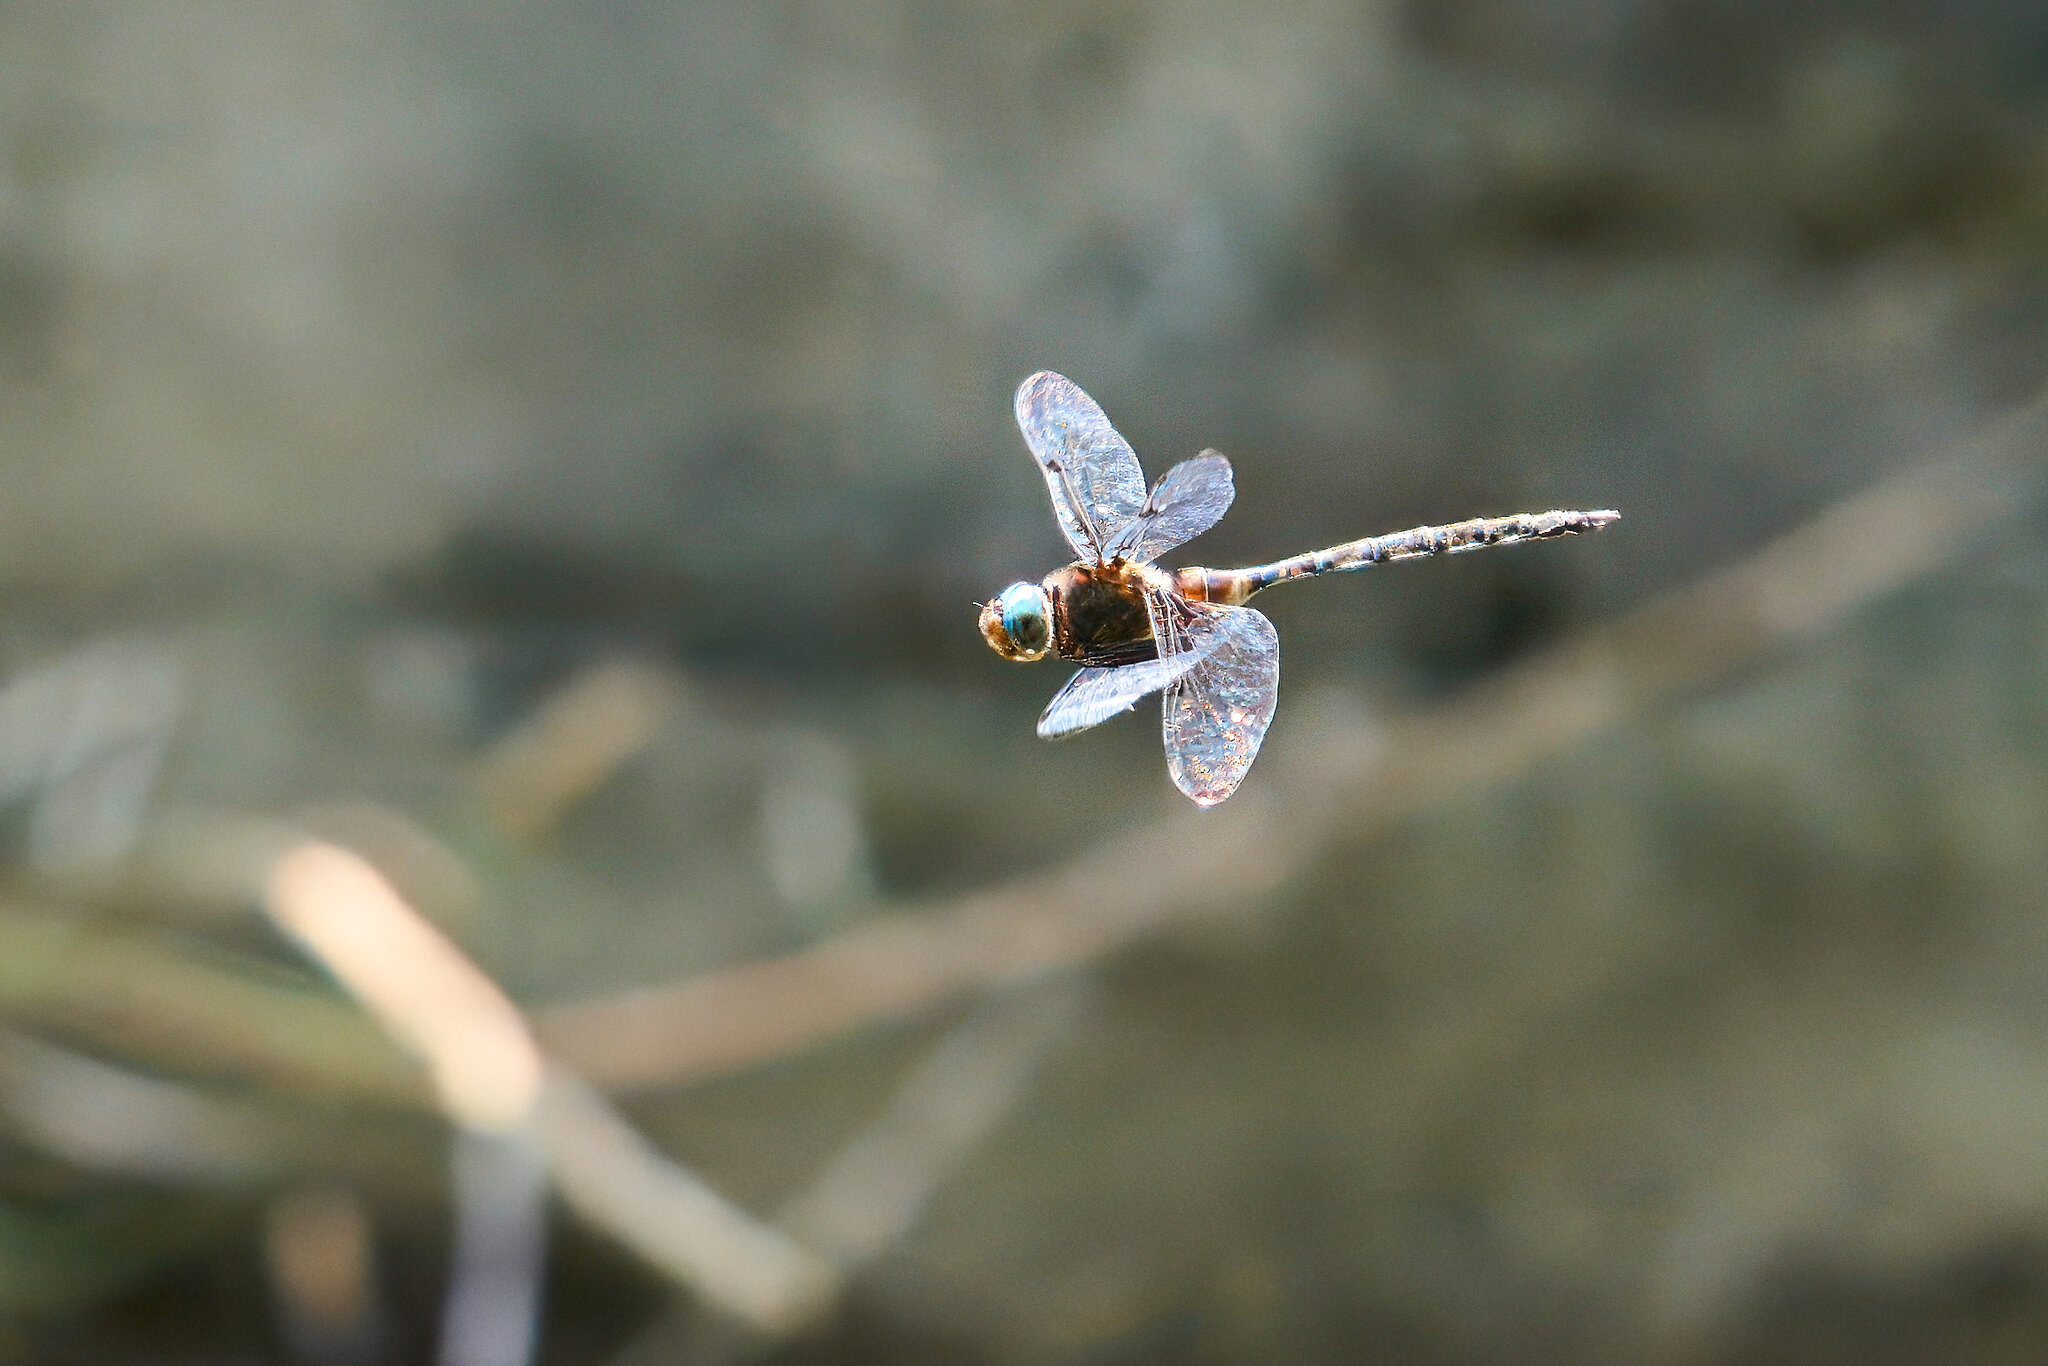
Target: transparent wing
(1092,696)
(1092,473)
(1188,500)
(1216,714)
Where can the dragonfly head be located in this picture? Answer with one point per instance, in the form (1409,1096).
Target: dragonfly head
(1018,622)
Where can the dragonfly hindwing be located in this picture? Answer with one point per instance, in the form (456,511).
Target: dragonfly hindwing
(1188,500)
(1215,715)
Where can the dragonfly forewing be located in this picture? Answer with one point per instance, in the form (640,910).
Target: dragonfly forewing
(1093,475)
(1092,696)
(1215,715)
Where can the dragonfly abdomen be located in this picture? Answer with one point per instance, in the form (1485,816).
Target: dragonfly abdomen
(1233,586)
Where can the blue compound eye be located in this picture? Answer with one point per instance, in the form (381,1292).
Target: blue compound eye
(1026,619)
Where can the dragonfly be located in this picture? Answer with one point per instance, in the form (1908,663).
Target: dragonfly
(1136,629)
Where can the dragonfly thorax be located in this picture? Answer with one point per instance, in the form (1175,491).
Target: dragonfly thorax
(1099,612)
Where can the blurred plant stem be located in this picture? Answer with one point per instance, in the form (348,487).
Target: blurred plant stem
(154,1001)
(139,996)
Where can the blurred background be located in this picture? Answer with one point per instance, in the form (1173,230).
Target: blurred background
(553,451)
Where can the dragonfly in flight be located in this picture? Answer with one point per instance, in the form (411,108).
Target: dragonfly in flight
(1136,629)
